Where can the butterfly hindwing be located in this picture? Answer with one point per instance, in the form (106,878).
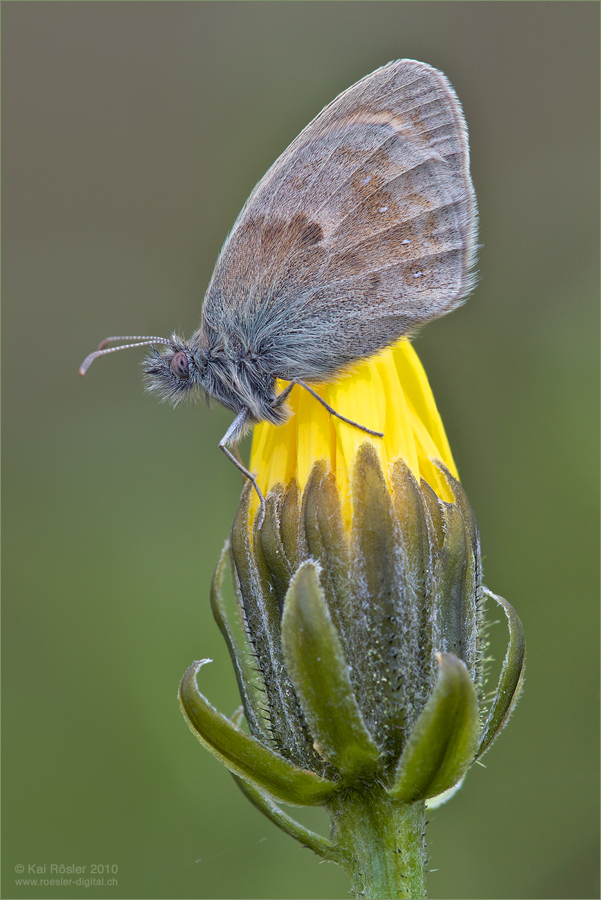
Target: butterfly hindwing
(363,229)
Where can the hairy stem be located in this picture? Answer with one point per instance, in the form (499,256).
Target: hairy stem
(381,843)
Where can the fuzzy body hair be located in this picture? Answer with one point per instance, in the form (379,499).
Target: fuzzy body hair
(363,230)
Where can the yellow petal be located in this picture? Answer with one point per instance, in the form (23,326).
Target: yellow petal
(389,393)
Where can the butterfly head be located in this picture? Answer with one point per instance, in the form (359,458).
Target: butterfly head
(176,373)
(173,374)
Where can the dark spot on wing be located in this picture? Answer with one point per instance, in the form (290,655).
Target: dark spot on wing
(311,234)
(284,236)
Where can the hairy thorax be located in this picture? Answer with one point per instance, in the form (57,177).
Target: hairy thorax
(240,380)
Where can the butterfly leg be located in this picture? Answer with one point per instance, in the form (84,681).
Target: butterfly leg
(334,413)
(231,435)
(283,396)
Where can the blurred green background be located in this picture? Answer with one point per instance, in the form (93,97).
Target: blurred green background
(133,133)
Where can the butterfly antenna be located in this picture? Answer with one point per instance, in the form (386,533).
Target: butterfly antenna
(137,339)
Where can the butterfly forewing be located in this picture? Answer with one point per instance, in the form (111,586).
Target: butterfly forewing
(363,229)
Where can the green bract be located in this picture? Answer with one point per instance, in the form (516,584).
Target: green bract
(361,672)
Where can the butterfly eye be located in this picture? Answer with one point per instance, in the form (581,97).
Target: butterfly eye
(179,365)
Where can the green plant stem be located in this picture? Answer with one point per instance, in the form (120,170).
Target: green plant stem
(381,843)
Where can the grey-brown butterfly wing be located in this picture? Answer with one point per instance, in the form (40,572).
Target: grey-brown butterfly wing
(363,229)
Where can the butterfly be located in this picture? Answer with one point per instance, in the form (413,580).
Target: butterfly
(364,229)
